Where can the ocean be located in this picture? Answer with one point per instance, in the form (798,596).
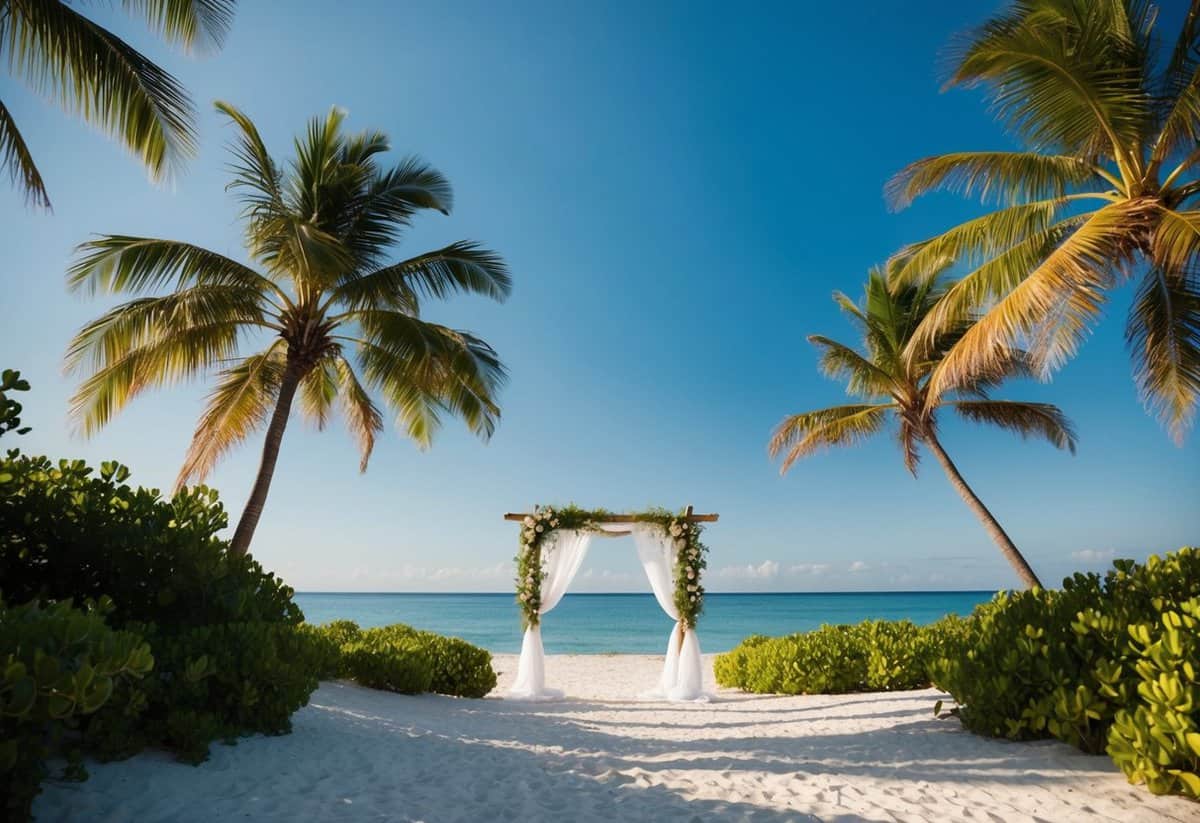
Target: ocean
(629,623)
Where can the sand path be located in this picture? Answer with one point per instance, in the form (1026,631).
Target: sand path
(362,755)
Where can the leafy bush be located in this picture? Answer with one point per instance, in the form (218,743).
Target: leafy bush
(381,655)
(1158,741)
(10,410)
(58,664)
(1105,664)
(397,664)
(231,658)
(875,655)
(1062,663)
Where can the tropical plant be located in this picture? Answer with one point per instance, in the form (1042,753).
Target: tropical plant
(319,229)
(10,409)
(892,380)
(1104,192)
(62,54)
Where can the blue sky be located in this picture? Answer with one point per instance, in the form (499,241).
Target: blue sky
(678,188)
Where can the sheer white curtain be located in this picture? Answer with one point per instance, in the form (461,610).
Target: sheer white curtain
(682,676)
(562,555)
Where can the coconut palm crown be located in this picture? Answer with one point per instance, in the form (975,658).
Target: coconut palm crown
(1106,191)
(891,378)
(64,55)
(330,320)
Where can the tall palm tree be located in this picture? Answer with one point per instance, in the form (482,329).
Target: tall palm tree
(62,54)
(892,379)
(1106,191)
(333,319)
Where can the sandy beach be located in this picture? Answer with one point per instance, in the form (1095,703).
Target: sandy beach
(603,754)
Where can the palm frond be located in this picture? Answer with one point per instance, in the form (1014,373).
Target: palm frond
(1005,178)
(95,74)
(1052,307)
(145,322)
(363,418)
(1026,419)
(973,242)
(423,368)
(1067,77)
(182,354)
(17,160)
(240,403)
(1180,91)
(460,267)
(318,390)
(801,435)
(840,362)
(378,214)
(1164,339)
(194,24)
(256,178)
(114,264)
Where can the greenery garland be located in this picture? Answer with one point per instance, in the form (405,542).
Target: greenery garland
(690,555)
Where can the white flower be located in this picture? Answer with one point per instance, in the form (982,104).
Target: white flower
(691,588)
(529,535)
(554,522)
(680,543)
(528,521)
(676,531)
(691,574)
(693,598)
(540,527)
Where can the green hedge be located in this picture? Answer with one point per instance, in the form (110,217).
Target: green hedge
(1105,664)
(58,665)
(231,658)
(876,655)
(403,659)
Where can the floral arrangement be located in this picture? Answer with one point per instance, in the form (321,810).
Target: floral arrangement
(690,561)
(690,556)
(534,529)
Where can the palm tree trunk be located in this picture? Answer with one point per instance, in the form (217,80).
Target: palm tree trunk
(1007,548)
(266,469)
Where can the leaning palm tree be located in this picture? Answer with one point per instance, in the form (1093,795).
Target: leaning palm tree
(1106,191)
(62,54)
(330,319)
(891,378)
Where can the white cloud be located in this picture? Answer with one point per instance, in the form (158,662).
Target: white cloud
(763,571)
(409,573)
(809,568)
(1093,555)
(858,566)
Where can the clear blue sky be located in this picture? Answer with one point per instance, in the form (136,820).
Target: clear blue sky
(678,189)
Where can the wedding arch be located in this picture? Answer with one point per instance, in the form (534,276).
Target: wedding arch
(553,543)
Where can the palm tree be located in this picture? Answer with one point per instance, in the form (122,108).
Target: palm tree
(333,319)
(1105,192)
(62,54)
(892,381)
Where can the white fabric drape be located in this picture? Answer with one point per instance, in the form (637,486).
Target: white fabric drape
(682,677)
(562,555)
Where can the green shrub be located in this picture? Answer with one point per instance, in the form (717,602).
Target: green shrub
(1062,663)
(231,657)
(456,667)
(58,664)
(379,661)
(876,655)
(459,668)
(1157,742)
(730,667)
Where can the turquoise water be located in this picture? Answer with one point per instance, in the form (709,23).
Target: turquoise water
(629,623)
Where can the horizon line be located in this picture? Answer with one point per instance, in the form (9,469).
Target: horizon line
(707,594)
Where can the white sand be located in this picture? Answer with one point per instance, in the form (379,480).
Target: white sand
(358,754)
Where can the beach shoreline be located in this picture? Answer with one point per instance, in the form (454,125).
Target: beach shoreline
(603,754)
